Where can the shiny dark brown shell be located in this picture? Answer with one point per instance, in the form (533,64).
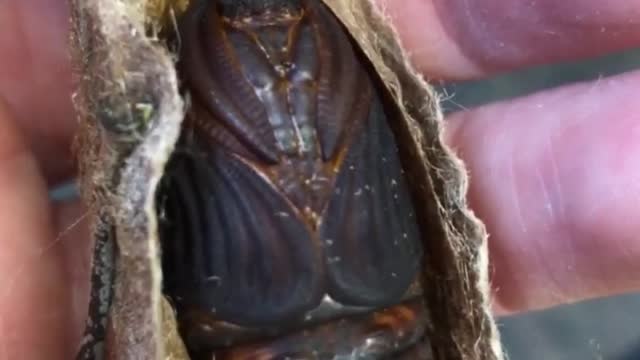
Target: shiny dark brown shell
(286,190)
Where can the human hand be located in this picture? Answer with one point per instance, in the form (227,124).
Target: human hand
(552,174)
(43,259)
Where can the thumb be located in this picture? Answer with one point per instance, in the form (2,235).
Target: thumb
(34,301)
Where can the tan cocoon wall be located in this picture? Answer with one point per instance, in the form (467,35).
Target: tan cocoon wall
(130,113)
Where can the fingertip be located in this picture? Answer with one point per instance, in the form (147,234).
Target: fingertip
(423,36)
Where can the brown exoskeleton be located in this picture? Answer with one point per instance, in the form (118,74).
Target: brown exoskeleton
(288,229)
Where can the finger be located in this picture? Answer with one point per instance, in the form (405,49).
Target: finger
(461,39)
(449,39)
(35,78)
(33,296)
(556,178)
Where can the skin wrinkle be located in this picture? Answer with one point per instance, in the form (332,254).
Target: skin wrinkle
(514,192)
(558,202)
(548,206)
(552,225)
(528,190)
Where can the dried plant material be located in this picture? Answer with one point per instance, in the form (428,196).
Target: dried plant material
(130,117)
(173,346)
(161,13)
(131,112)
